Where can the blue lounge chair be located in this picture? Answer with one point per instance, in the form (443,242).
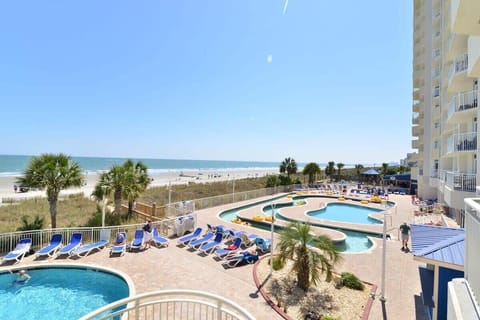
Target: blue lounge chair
(75,242)
(21,249)
(234,247)
(248,239)
(138,240)
(262,245)
(52,248)
(158,240)
(208,247)
(243,257)
(85,250)
(215,229)
(190,237)
(120,244)
(195,244)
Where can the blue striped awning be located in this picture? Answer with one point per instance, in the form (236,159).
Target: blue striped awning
(438,243)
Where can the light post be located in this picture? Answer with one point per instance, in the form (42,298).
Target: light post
(271,238)
(384,251)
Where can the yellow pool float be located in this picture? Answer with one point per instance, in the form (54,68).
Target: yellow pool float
(269,218)
(257,218)
(341,199)
(376,199)
(364,201)
(236,220)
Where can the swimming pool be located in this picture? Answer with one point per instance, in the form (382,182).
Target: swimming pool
(59,293)
(355,241)
(345,213)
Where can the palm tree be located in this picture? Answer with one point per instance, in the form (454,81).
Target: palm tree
(358,170)
(330,169)
(339,167)
(289,166)
(138,181)
(54,172)
(311,169)
(125,181)
(295,244)
(384,168)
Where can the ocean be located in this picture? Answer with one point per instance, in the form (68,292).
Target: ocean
(14,165)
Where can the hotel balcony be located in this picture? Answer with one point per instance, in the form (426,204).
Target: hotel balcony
(417,131)
(457,77)
(417,119)
(464,16)
(474,56)
(457,43)
(416,144)
(417,107)
(461,181)
(462,142)
(417,94)
(463,106)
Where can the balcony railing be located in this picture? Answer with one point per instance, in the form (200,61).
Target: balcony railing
(462,142)
(460,64)
(463,101)
(461,181)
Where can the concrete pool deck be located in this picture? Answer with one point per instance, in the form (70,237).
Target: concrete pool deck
(179,268)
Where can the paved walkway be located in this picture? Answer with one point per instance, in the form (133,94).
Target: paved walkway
(179,268)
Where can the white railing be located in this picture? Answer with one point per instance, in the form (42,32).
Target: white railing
(463,101)
(462,142)
(174,305)
(40,238)
(460,64)
(461,181)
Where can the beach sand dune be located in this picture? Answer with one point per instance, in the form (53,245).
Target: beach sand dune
(7,183)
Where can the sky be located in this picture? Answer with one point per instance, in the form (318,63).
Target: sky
(257,80)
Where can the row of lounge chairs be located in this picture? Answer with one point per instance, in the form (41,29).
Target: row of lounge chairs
(75,248)
(225,245)
(55,248)
(120,245)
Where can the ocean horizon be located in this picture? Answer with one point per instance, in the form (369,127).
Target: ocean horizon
(14,165)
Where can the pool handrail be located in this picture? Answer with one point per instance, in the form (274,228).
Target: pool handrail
(151,303)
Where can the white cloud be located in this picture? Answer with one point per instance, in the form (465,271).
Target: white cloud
(269,58)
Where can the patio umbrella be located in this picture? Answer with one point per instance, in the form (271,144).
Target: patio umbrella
(371,172)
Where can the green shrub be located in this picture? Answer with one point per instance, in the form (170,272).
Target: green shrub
(277,263)
(328,318)
(272,181)
(351,281)
(36,224)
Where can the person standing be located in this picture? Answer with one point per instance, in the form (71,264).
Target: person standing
(405,230)
(148,228)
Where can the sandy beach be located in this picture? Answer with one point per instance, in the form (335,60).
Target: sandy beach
(159,179)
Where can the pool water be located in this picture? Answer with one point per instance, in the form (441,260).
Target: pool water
(58,293)
(346,213)
(355,241)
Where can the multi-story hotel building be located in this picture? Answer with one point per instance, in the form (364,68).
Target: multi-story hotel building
(446,72)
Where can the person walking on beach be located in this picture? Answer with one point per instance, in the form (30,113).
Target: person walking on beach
(405,230)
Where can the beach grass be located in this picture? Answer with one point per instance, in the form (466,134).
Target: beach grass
(194,190)
(72,211)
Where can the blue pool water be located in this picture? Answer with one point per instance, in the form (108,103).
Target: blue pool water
(355,241)
(346,213)
(58,293)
